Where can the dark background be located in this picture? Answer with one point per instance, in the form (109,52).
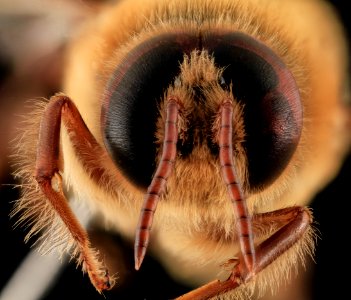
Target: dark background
(330,279)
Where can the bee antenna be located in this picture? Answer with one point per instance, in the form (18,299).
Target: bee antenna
(230,178)
(158,183)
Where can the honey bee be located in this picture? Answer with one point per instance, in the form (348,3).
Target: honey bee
(226,116)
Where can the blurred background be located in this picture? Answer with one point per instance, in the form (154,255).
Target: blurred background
(32,38)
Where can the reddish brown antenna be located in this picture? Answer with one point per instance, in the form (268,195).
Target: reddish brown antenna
(158,182)
(244,226)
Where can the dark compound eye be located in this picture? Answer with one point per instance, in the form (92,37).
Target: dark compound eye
(260,80)
(272,105)
(131,103)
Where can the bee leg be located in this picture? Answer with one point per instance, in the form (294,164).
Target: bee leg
(50,182)
(294,222)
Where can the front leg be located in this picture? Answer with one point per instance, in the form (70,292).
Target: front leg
(47,208)
(294,225)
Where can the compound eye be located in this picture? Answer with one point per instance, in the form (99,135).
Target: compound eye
(272,105)
(130,107)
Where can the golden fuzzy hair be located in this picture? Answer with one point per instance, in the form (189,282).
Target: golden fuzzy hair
(194,227)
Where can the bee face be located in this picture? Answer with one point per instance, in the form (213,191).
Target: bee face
(132,99)
(135,57)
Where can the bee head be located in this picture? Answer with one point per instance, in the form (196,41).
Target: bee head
(202,70)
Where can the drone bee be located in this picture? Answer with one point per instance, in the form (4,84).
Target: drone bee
(226,116)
